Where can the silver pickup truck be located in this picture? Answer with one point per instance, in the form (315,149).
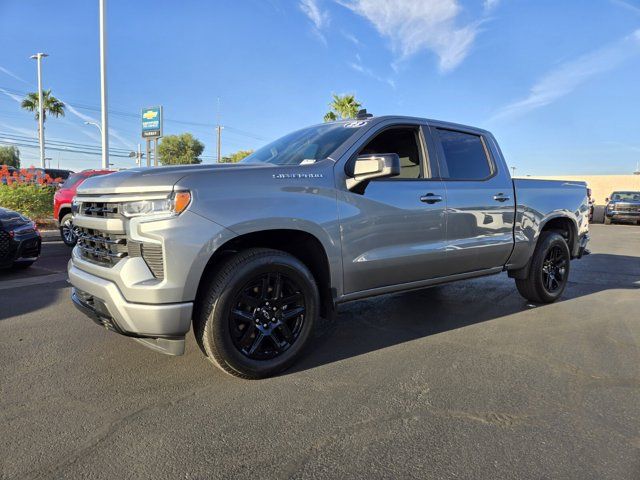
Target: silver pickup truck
(255,255)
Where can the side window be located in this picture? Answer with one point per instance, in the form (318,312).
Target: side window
(465,157)
(404,142)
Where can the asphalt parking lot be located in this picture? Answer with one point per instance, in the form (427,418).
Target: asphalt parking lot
(460,381)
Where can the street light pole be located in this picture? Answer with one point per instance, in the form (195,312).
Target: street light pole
(38,57)
(104,131)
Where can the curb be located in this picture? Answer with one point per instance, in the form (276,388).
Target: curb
(50,235)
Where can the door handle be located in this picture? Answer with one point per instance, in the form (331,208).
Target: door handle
(501,197)
(430,198)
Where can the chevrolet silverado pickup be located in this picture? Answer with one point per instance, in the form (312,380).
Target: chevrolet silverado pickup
(255,255)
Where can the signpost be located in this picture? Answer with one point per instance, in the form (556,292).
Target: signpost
(152,129)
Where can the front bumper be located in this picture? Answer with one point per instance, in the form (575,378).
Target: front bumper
(21,248)
(622,215)
(158,326)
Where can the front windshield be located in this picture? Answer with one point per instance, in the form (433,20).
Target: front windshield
(626,197)
(305,146)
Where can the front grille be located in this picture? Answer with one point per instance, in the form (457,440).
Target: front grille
(31,248)
(101,247)
(627,208)
(108,249)
(99,209)
(5,244)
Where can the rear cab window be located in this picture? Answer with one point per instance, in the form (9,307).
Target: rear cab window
(463,156)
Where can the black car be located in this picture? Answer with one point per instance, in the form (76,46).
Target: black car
(19,240)
(623,206)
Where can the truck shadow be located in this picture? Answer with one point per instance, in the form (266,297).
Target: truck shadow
(381,322)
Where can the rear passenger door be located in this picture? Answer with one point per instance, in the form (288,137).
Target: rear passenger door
(480,203)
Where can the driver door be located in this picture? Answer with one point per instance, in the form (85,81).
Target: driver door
(393,229)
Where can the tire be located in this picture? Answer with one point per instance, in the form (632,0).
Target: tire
(551,258)
(66,231)
(269,330)
(607,220)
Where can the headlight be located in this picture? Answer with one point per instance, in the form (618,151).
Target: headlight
(173,205)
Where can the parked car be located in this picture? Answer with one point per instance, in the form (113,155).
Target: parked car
(19,240)
(58,173)
(254,254)
(622,206)
(62,203)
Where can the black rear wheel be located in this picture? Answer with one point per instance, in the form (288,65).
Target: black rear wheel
(549,270)
(258,313)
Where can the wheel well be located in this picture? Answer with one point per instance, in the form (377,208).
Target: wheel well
(302,245)
(564,227)
(63,211)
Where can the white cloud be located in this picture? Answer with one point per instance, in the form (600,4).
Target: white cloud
(629,6)
(352,38)
(112,132)
(11,95)
(490,5)
(319,18)
(13,75)
(570,75)
(413,26)
(359,67)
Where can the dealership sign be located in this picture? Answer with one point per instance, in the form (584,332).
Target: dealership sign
(152,122)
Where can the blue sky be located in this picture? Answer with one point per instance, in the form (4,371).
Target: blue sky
(557,82)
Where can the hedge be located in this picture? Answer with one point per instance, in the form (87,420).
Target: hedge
(32,200)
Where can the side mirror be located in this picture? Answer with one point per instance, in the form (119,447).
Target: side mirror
(367,167)
(606,199)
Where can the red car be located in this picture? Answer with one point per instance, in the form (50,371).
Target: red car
(62,203)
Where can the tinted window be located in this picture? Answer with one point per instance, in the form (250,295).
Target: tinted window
(308,145)
(625,196)
(72,180)
(464,156)
(404,142)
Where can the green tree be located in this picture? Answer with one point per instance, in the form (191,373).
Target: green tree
(183,149)
(236,156)
(10,156)
(51,105)
(342,107)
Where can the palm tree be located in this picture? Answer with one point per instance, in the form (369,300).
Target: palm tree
(51,105)
(342,107)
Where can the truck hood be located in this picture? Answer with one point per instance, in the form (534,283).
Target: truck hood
(144,180)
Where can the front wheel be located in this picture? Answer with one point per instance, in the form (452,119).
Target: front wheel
(258,313)
(67,231)
(549,270)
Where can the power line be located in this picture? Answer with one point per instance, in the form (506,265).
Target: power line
(56,142)
(93,108)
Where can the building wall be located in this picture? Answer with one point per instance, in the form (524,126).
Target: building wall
(601,185)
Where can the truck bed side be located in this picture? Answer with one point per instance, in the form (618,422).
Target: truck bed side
(539,202)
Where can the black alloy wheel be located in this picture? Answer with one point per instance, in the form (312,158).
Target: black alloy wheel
(267,316)
(256,312)
(548,270)
(554,269)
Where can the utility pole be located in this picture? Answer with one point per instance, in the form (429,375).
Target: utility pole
(219,132)
(219,129)
(38,57)
(514,171)
(103,84)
